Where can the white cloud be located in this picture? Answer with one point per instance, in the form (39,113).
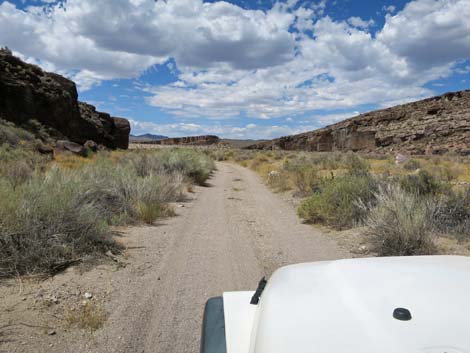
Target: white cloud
(232,61)
(389,8)
(429,33)
(360,23)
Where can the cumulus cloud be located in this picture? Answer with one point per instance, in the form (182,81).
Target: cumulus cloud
(122,38)
(360,23)
(429,33)
(287,61)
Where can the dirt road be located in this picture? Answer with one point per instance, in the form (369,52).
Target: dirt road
(233,233)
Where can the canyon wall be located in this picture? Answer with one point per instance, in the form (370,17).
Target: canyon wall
(435,125)
(29,93)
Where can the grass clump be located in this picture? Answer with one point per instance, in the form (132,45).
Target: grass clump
(400,224)
(338,204)
(89,316)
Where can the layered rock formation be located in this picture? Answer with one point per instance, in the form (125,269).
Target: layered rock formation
(431,126)
(27,92)
(204,140)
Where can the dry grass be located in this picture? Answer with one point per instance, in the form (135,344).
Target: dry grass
(400,224)
(88,316)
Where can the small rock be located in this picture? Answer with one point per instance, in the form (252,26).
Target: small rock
(88,295)
(400,159)
(51,332)
(92,145)
(53,299)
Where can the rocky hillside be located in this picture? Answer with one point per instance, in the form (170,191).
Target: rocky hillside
(431,126)
(204,140)
(29,93)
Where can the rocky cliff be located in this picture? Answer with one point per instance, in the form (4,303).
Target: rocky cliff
(27,92)
(431,126)
(204,140)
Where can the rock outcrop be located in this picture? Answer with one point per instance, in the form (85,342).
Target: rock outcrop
(431,126)
(27,92)
(204,140)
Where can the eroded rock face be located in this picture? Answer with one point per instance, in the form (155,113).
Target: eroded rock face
(435,125)
(27,92)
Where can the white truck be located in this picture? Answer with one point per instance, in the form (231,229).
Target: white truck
(373,305)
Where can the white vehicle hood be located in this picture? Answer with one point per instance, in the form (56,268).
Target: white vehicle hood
(347,306)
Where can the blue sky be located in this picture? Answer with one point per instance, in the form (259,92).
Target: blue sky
(245,68)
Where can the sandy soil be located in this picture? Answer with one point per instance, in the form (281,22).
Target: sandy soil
(226,237)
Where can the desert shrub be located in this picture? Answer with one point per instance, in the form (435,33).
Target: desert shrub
(452,213)
(190,163)
(355,165)
(321,160)
(18,164)
(11,134)
(48,224)
(443,172)
(222,154)
(411,164)
(278,180)
(304,176)
(421,183)
(400,223)
(340,201)
(148,212)
(122,195)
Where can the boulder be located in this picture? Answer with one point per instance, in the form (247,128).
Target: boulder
(76,148)
(91,145)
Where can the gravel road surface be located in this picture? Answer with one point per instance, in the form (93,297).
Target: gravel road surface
(231,234)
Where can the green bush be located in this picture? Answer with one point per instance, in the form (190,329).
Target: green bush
(421,183)
(341,201)
(400,224)
(411,164)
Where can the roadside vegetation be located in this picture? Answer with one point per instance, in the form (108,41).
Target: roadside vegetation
(54,212)
(402,208)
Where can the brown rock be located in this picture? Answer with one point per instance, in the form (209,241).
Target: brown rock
(91,145)
(64,145)
(442,122)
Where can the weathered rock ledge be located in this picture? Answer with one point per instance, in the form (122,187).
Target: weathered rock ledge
(435,125)
(29,93)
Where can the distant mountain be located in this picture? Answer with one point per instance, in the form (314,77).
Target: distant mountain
(146,138)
